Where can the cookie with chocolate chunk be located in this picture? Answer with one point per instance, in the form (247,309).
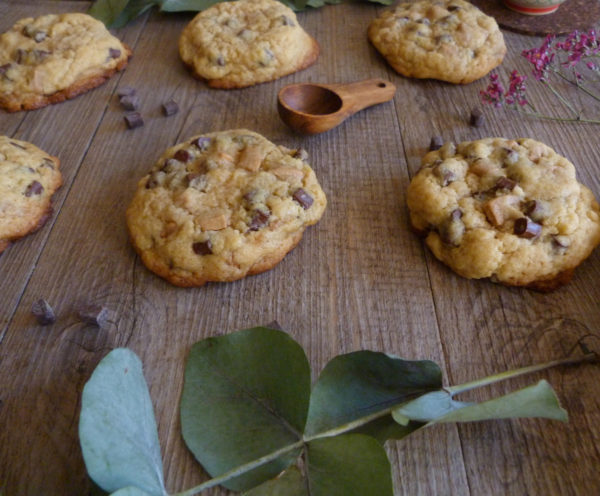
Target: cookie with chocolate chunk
(221,206)
(56,57)
(450,40)
(28,178)
(246,42)
(510,210)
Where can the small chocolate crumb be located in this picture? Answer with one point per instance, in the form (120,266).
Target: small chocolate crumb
(133,120)
(182,155)
(505,183)
(260,219)
(93,314)
(436,143)
(477,118)
(300,153)
(201,143)
(125,91)
(130,102)
(456,214)
(170,108)
(35,188)
(43,312)
(202,247)
(526,228)
(452,8)
(303,198)
(220,60)
(114,53)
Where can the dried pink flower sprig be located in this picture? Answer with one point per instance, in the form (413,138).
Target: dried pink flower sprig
(570,60)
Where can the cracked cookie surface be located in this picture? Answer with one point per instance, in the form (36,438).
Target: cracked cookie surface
(449,40)
(246,42)
(28,179)
(56,57)
(221,206)
(510,210)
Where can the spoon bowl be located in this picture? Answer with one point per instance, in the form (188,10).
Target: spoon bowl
(314,108)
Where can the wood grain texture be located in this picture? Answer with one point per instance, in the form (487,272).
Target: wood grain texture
(358,279)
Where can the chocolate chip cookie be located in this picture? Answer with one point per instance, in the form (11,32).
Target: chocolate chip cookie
(221,206)
(246,42)
(56,57)
(450,40)
(510,210)
(28,178)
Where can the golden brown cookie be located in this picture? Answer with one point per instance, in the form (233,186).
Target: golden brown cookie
(450,40)
(52,58)
(510,210)
(246,42)
(28,179)
(222,206)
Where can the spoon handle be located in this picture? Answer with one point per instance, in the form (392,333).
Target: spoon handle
(363,94)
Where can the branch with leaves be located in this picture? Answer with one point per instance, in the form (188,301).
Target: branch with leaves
(250,417)
(117,13)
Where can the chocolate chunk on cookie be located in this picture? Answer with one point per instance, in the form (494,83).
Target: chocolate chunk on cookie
(246,42)
(513,211)
(222,206)
(450,40)
(28,179)
(56,57)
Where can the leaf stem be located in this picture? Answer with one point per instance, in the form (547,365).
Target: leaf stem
(461,388)
(242,469)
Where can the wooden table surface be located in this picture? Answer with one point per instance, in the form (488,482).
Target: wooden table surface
(360,279)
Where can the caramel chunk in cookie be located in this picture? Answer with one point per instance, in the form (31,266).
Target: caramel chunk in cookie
(514,212)
(218,208)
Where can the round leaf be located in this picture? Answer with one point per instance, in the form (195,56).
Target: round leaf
(117,429)
(245,396)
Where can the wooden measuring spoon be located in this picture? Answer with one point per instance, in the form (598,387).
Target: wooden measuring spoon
(314,108)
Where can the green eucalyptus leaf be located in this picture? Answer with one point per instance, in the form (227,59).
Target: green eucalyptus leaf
(289,483)
(367,383)
(187,5)
(348,465)
(538,400)
(130,491)
(107,11)
(117,429)
(133,9)
(428,407)
(245,396)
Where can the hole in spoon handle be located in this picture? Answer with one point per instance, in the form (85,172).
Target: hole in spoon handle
(362,94)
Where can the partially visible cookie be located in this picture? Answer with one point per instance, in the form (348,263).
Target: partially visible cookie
(450,40)
(28,178)
(510,210)
(56,57)
(246,42)
(221,206)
